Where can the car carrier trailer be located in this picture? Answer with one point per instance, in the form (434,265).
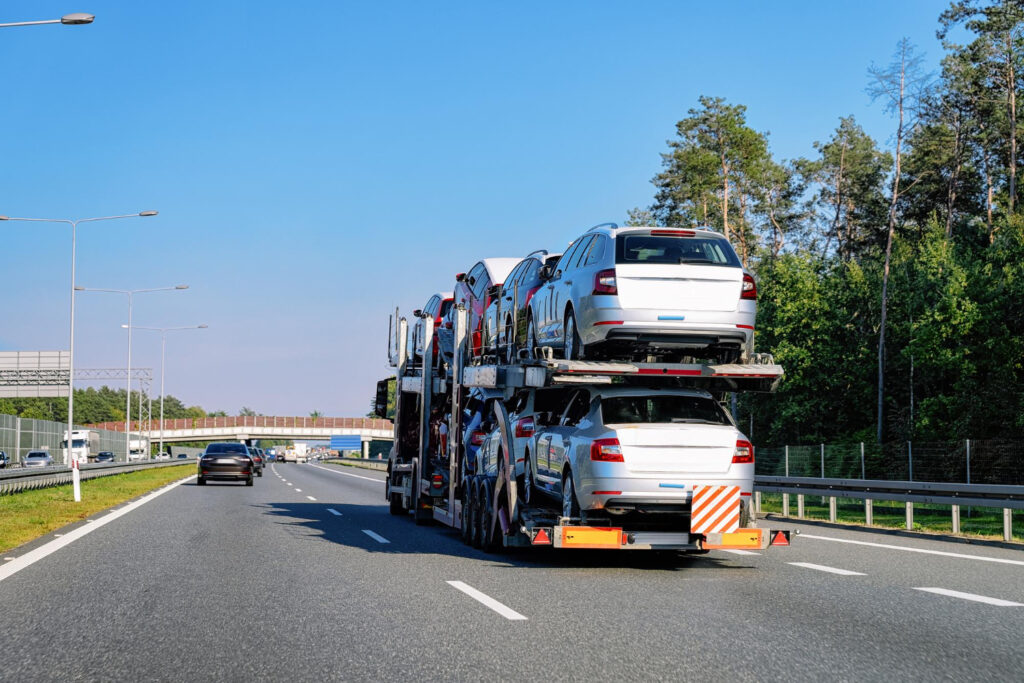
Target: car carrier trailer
(425,476)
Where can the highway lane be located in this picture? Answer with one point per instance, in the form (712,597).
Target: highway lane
(235,583)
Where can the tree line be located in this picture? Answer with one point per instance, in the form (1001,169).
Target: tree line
(94,405)
(891,278)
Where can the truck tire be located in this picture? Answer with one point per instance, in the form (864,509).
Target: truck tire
(249,481)
(465,526)
(476,538)
(486,517)
(200,482)
(395,502)
(746,518)
(526,490)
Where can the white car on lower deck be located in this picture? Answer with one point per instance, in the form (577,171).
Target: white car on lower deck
(639,450)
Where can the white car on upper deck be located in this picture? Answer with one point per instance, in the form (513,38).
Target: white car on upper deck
(681,295)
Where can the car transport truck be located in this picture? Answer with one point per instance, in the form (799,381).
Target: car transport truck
(536,451)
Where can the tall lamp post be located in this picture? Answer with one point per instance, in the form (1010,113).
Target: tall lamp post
(73,19)
(128,379)
(68,460)
(163,353)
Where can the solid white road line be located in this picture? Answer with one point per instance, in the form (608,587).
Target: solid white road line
(971,596)
(53,546)
(741,552)
(823,568)
(346,474)
(915,550)
(334,512)
(311,497)
(376,537)
(298,490)
(487,601)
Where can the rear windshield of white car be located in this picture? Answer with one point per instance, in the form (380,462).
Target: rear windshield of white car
(662,410)
(649,248)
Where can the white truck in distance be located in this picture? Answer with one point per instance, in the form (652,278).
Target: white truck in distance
(138,449)
(85,444)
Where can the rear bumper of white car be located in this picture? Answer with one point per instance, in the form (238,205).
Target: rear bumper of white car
(666,328)
(599,493)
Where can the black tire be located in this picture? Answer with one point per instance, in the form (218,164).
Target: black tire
(249,481)
(395,502)
(475,538)
(200,482)
(465,526)
(486,516)
(570,506)
(573,348)
(260,473)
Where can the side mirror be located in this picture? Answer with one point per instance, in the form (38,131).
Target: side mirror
(494,291)
(471,280)
(418,313)
(380,403)
(545,272)
(459,277)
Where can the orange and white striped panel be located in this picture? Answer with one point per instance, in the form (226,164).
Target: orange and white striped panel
(715,509)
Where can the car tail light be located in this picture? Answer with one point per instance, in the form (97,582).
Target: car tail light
(476,438)
(606,450)
(744,453)
(524,427)
(607,493)
(604,282)
(674,233)
(749,288)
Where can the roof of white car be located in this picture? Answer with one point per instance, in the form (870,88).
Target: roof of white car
(607,230)
(499,268)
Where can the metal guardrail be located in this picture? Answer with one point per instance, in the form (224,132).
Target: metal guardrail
(27,478)
(955,495)
(368,463)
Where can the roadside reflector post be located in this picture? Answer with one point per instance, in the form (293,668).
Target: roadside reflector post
(869,516)
(862,460)
(787,461)
(910,516)
(832,509)
(76,477)
(800,505)
(757,501)
(910,460)
(955,514)
(1007,524)
(785,505)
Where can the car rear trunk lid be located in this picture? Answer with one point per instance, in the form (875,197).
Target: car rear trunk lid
(676,449)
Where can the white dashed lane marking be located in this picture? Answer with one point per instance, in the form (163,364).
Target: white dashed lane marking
(823,568)
(311,497)
(376,537)
(487,601)
(970,596)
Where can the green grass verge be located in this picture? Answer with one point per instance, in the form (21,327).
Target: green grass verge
(976,522)
(381,467)
(30,514)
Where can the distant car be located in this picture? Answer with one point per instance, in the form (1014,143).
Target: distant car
(37,459)
(224,460)
(257,459)
(182,456)
(4,460)
(635,292)
(473,290)
(104,456)
(162,456)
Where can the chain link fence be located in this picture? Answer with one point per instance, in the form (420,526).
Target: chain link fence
(971,461)
(18,436)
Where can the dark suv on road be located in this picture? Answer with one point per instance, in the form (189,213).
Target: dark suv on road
(229,461)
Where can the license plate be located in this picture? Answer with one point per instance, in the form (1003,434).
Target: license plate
(226,461)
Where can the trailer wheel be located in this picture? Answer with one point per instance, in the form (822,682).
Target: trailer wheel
(486,516)
(394,501)
(573,347)
(526,490)
(475,537)
(531,339)
(746,519)
(466,526)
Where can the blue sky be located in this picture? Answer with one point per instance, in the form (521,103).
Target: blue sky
(316,164)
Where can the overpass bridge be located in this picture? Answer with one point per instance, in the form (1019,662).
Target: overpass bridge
(253,428)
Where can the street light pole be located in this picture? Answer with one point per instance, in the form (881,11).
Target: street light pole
(68,460)
(128,379)
(163,354)
(74,19)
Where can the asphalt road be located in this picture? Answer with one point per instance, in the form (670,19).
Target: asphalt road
(226,582)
